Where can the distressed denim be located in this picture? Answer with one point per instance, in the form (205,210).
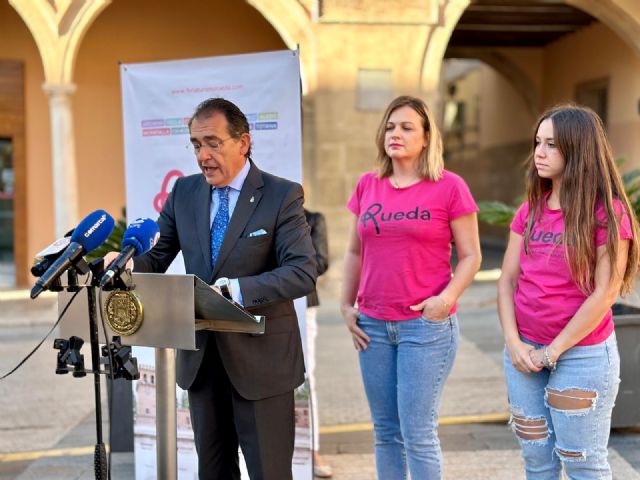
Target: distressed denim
(576,439)
(404,369)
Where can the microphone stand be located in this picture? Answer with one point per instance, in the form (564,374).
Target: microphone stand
(100,452)
(70,349)
(122,282)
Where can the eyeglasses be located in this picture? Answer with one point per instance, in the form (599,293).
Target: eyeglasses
(210,145)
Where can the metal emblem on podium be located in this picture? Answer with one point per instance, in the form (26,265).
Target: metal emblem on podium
(124,312)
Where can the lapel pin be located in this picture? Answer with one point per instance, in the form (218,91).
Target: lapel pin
(251,199)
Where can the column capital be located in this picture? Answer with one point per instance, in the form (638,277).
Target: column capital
(59,89)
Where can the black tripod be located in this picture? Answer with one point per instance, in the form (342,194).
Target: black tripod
(118,358)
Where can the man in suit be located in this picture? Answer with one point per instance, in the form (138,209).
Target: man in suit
(248,227)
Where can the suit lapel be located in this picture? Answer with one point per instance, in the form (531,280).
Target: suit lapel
(247,202)
(202,213)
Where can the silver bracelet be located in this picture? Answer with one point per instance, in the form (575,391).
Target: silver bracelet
(546,360)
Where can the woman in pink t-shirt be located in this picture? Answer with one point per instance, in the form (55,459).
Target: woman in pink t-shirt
(561,359)
(397,271)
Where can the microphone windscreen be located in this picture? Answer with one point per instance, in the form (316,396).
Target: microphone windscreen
(142,235)
(93,230)
(56,247)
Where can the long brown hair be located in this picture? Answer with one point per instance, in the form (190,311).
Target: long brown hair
(431,163)
(590,176)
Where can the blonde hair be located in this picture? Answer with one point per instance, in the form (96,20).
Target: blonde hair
(431,163)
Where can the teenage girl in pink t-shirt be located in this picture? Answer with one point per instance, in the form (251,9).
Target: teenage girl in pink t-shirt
(399,294)
(572,250)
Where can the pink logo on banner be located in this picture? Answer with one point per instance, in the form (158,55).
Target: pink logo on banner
(155,132)
(161,198)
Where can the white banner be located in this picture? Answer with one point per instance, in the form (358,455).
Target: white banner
(158,100)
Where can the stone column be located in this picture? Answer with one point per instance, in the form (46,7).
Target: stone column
(65,176)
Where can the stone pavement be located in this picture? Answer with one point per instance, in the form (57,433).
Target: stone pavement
(43,411)
(474,394)
(479,465)
(341,396)
(38,407)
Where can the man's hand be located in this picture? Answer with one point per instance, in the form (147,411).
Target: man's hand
(111,256)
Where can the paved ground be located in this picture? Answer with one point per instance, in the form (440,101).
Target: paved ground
(475,388)
(50,414)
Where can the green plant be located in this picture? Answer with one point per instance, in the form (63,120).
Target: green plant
(113,243)
(499,213)
(496,213)
(631,182)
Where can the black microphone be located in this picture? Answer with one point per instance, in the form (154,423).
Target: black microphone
(45,257)
(87,236)
(138,238)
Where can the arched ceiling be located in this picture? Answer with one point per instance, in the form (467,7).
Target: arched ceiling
(513,23)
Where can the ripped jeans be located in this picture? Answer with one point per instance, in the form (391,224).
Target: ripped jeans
(563,418)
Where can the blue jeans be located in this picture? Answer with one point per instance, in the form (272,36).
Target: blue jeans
(569,437)
(404,369)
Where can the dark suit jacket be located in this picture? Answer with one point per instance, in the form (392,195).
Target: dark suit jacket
(272,270)
(318,227)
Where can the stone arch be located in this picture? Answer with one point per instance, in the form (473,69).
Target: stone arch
(437,43)
(57,28)
(518,79)
(609,12)
(293,24)
(621,22)
(118,37)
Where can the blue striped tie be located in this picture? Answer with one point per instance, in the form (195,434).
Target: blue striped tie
(220,223)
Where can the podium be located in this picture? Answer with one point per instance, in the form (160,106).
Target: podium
(174,307)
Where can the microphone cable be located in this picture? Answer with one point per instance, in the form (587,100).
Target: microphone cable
(45,337)
(111,363)
(112,381)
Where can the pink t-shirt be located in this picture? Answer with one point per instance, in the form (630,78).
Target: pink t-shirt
(405,240)
(546,297)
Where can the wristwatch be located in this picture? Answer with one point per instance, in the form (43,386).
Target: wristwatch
(224,284)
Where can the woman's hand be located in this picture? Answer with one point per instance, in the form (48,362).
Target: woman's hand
(524,357)
(433,308)
(360,339)
(537,355)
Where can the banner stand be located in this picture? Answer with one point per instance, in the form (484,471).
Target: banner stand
(158,99)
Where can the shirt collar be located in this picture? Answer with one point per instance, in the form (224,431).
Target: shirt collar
(238,181)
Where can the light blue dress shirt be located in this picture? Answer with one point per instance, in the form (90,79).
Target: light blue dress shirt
(234,194)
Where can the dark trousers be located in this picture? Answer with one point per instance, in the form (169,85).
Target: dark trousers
(222,419)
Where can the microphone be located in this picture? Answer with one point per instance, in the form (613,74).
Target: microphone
(138,238)
(45,257)
(90,233)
